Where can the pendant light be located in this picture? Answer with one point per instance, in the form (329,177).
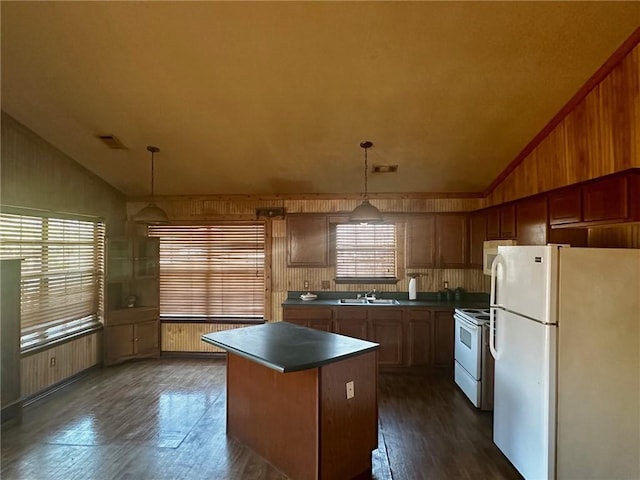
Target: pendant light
(152,214)
(365,213)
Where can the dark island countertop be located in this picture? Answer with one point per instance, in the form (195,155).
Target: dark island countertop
(286,347)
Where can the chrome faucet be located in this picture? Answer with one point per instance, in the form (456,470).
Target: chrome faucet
(370,294)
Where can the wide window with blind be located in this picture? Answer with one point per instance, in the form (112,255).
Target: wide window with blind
(211,272)
(365,253)
(62,274)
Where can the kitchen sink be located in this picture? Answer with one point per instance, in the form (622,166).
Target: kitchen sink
(369,301)
(383,301)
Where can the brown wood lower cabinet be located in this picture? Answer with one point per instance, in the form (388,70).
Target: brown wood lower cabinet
(387,329)
(131,333)
(419,337)
(408,337)
(319,318)
(352,322)
(443,338)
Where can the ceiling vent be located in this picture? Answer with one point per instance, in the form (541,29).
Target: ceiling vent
(384,169)
(112,141)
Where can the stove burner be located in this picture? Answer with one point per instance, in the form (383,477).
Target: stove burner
(474,315)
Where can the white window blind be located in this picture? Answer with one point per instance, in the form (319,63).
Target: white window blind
(62,274)
(365,251)
(211,271)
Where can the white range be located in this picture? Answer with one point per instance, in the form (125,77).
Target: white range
(473,367)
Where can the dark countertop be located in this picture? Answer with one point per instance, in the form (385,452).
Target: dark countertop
(424,300)
(286,347)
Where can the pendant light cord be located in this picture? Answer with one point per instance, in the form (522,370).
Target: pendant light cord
(366,167)
(152,175)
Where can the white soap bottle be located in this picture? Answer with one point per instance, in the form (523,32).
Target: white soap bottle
(412,288)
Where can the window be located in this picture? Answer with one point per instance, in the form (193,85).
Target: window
(62,274)
(365,253)
(209,272)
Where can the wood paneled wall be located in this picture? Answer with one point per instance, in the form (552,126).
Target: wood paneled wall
(34,174)
(600,135)
(283,278)
(70,358)
(625,236)
(186,337)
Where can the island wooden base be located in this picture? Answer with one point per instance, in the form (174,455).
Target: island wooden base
(302,422)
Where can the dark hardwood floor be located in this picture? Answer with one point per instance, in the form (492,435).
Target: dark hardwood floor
(165,419)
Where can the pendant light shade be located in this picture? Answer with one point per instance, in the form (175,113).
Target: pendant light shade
(152,214)
(365,213)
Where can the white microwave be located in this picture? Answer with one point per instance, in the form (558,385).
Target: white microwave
(489,252)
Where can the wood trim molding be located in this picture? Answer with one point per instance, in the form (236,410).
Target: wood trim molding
(311,196)
(621,52)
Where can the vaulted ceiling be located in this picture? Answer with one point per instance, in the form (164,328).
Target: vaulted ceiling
(275,97)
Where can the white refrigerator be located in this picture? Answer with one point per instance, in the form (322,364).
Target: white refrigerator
(565,326)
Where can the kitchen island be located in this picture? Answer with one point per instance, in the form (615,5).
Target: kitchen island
(306,400)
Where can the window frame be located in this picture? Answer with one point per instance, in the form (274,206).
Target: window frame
(63,256)
(191,317)
(373,280)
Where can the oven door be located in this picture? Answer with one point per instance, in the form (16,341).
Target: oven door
(468,346)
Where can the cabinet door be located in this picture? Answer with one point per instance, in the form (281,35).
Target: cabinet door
(387,330)
(420,241)
(565,206)
(443,338)
(477,236)
(352,322)
(419,337)
(532,221)
(318,324)
(605,199)
(146,338)
(451,240)
(119,260)
(508,221)
(146,259)
(493,223)
(119,342)
(320,317)
(307,240)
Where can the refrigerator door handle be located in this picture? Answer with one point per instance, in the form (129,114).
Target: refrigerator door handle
(494,270)
(492,304)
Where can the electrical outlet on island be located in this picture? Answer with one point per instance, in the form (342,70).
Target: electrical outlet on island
(350,390)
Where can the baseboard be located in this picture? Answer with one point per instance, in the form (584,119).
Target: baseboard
(217,355)
(36,397)
(11,414)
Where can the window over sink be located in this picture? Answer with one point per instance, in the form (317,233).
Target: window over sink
(365,253)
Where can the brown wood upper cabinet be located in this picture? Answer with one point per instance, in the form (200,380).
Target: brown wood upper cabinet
(533,226)
(477,236)
(452,246)
(421,236)
(604,201)
(307,240)
(532,221)
(565,206)
(437,240)
(501,222)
